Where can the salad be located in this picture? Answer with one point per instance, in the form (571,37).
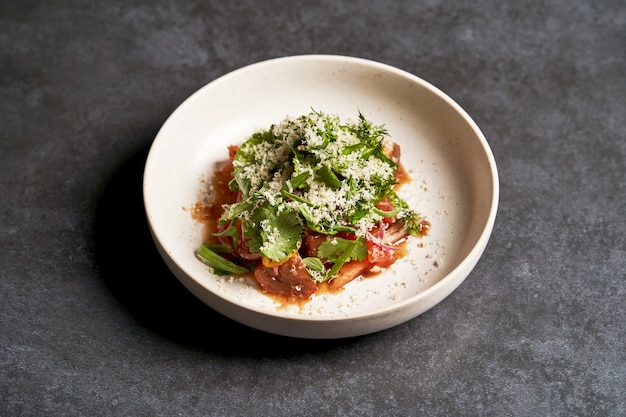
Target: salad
(310,200)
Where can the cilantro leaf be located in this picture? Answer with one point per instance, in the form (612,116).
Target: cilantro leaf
(340,251)
(316,268)
(276,235)
(335,248)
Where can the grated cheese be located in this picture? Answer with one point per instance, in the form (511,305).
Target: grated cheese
(325,139)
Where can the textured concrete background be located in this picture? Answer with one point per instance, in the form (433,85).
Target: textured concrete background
(92,322)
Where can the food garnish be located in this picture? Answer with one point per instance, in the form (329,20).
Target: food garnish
(311,200)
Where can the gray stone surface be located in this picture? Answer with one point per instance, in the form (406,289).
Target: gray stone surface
(92,323)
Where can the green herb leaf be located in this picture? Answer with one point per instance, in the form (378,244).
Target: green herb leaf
(328,177)
(298,180)
(218,248)
(232,232)
(275,235)
(390,213)
(249,154)
(411,220)
(314,264)
(335,248)
(238,209)
(340,251)
(294,197)
(220,265)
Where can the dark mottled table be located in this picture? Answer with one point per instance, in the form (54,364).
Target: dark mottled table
(93,323)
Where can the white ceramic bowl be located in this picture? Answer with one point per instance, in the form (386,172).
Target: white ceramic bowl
(454,185)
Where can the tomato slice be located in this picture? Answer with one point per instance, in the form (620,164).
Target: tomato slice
(232,150)
(380,256)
